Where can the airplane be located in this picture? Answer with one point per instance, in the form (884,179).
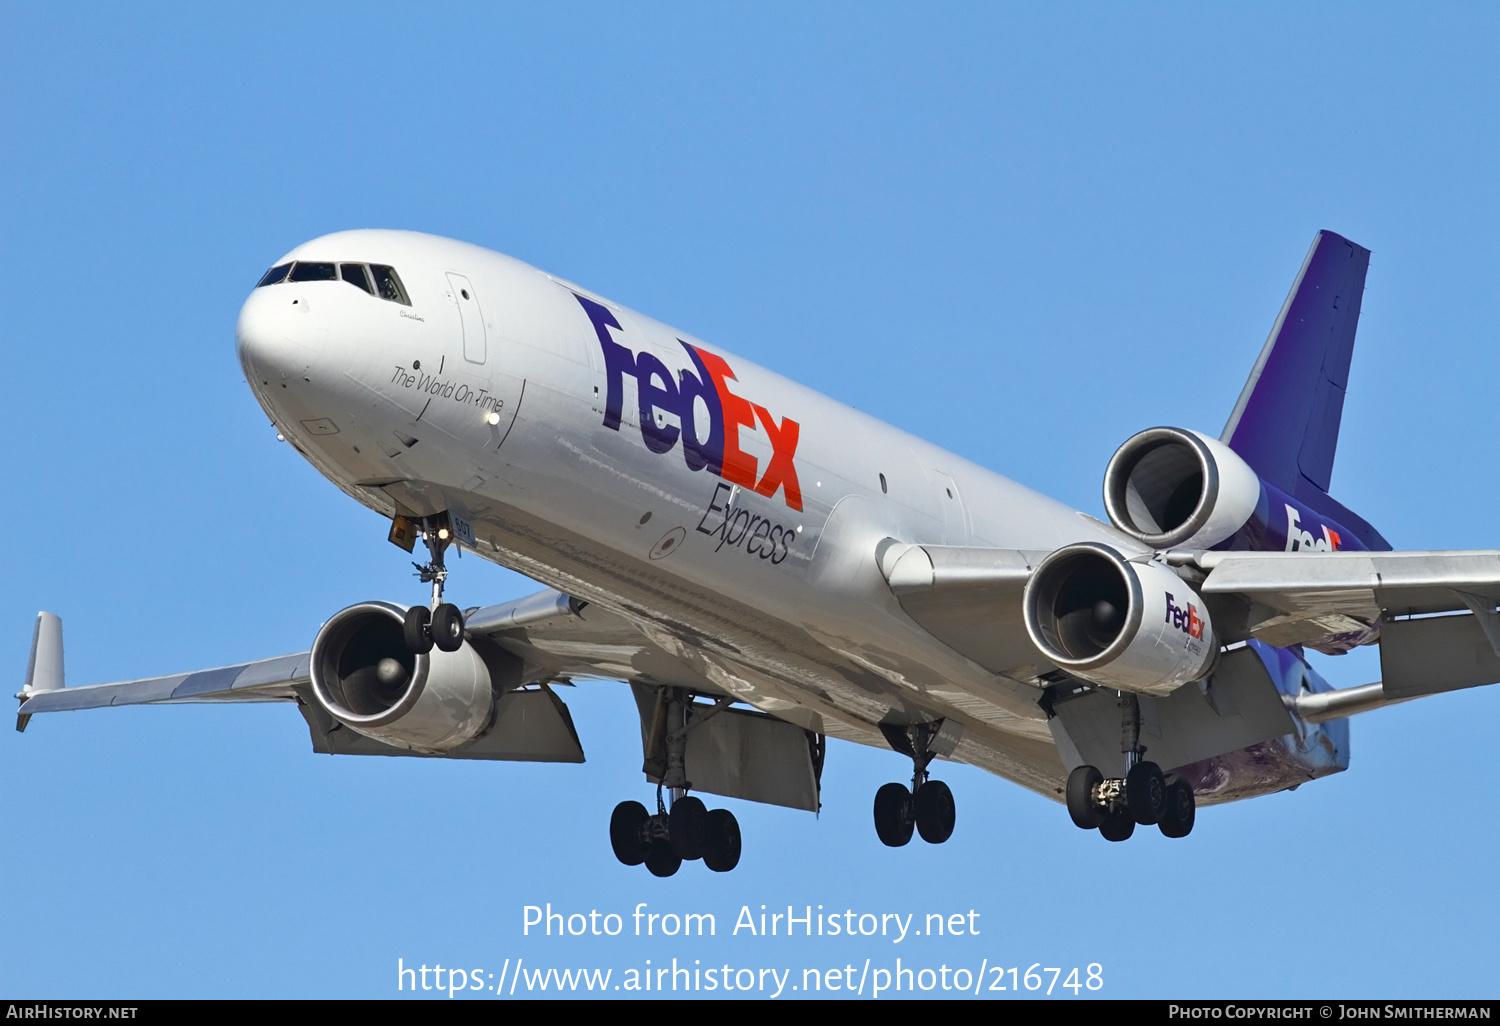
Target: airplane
(767,568)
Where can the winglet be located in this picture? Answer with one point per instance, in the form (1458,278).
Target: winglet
(44,672)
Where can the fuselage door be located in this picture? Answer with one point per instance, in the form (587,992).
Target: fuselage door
(470,316)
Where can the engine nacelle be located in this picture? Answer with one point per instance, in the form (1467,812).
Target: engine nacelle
(1168,487)
(365,677)
(1118,624)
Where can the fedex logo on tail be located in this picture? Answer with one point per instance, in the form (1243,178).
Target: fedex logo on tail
(1186,620)
(719,451)
(1298,540)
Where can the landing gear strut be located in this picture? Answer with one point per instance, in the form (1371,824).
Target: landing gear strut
(441,624)
(689,830)
(928,807)
(1114,806)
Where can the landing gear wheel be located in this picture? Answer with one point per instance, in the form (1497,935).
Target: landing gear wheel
(894,817)
(936,812)
(1146,793)
(1117,827)
(687,826)
(414,630)
(1081,805)
(662,860)
(625,832)
(1181,808)
(447,627)
(723,851)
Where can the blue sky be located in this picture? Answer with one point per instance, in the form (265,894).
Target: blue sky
(1020,231)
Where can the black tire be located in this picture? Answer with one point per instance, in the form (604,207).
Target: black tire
(662,860)
(625,832)
(1086,813)
(723,852)
(687,826)
(1182,808)
(1117,827)
(1146,793)
(936,812)
(894,817)
(414,630)
(447,627)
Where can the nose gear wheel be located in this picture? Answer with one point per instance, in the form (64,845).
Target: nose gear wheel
(441,624)
(928,806)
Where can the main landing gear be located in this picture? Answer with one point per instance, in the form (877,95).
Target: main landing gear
(928,806)
(666,840)
(690,830)
(1145,796)
(441,624)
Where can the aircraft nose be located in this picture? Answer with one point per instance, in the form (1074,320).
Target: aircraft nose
(277,336)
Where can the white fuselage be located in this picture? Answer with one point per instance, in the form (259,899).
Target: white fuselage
(492,395)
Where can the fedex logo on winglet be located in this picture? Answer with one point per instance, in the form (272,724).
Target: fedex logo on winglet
(720,451)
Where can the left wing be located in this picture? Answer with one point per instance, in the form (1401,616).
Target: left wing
(1290,598)
(971,598)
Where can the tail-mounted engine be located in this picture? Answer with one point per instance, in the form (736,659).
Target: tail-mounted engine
(1116,623)
(1168,487)
(365,676)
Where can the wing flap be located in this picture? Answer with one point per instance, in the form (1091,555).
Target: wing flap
(530,726)
(1430,655)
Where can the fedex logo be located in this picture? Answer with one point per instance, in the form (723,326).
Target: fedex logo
(1298,540)
(1186,620)
(719,450)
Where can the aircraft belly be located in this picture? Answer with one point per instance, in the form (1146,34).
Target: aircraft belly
(773,665)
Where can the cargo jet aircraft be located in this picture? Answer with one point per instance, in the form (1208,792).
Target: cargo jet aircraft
(767,568)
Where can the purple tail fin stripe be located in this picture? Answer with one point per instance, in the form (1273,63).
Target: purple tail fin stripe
(1286,422)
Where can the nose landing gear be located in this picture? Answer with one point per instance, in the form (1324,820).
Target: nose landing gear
(441,624)
(928,807)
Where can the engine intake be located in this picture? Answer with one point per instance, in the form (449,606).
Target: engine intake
(365,677)
(1166,487)
(1118,624)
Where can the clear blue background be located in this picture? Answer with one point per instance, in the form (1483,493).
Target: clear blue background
(1020,231)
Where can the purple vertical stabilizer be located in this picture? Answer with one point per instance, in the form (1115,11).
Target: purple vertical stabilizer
(1286,422)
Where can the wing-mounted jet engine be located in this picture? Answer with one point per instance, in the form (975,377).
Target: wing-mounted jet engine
(1118,623)
(365,675)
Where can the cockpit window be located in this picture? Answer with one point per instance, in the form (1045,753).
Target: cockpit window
(376,279)
(355,274)
(388,284)
(313,272)
(274,275)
